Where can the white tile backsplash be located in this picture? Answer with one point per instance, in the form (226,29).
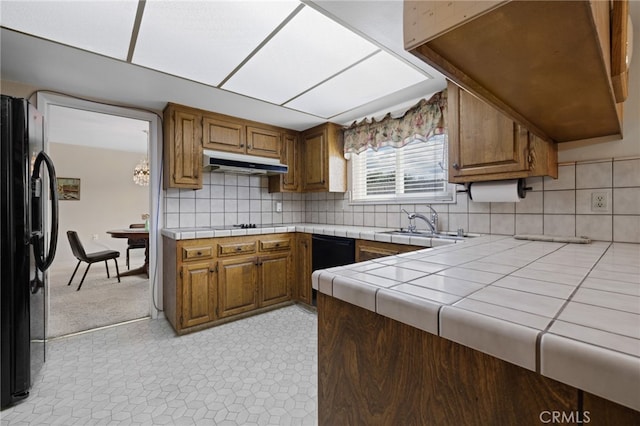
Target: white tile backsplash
(553,207)
(559,225)
(626,201)
(560,202)
(626,173)
(503,224)
(594,175)
(531,203)
(566,179)
(529,224)
(596,227)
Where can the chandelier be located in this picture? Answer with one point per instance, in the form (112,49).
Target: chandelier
(141,173)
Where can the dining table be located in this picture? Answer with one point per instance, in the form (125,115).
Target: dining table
(138,234)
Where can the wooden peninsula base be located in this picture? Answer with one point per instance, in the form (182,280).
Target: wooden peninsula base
(373,370)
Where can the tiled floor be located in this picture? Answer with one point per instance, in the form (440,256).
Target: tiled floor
(256,371)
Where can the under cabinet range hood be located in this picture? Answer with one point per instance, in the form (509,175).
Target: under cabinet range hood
(226,162)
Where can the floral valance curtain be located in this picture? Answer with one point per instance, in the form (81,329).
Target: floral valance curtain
(423,120)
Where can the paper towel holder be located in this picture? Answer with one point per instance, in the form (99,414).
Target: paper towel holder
(522,188)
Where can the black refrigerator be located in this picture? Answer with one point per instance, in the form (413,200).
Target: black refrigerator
(28,217)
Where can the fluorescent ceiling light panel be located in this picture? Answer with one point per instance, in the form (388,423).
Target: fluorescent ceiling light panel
(373,78)
(205,40)
(307,51)
(103,27)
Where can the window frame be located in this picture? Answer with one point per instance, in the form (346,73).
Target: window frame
(448,196)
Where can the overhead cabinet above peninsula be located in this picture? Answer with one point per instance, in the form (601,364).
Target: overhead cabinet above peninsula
(544,64)
(485,144)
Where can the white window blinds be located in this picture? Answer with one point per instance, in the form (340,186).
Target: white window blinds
(414,171)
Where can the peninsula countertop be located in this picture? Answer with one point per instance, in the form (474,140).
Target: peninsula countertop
(570,312)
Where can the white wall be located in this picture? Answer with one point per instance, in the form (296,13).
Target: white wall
(109,199)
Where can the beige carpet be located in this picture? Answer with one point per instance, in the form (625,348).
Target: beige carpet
(101,301)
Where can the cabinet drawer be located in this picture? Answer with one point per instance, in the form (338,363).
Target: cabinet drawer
(272,245)
(229,249)
(193,253)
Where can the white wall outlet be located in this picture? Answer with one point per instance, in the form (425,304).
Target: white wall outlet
(599,202)
(278,207)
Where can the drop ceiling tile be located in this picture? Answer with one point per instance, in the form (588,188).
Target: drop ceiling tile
(373,78)
(205,41)
(103,27)
(307,51)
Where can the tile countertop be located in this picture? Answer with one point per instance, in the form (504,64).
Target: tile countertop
(570,312)
(358,232)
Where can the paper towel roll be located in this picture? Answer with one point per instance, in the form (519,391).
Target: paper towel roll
(500,191)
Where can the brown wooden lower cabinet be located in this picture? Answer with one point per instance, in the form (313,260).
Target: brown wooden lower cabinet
(368,250)
(212,280)
(275,278)
(373,370)
(198,293)
(237,286)
(303,268)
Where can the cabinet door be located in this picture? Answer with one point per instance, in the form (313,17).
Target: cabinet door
(198,294)
(263,142)
(368,250)
(303,278)
(223,135)
(186,153)
(315,157)
(274,278)
(290,158)
(482,140)
(237,286)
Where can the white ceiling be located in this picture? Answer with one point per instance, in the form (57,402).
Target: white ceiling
(96,130)
(286,63)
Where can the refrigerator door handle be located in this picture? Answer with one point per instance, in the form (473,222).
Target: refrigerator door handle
(37,238)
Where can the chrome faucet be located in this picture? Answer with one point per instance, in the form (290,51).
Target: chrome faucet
(431,222)
(412,225)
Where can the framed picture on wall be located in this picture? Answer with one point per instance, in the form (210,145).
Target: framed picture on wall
(68,188)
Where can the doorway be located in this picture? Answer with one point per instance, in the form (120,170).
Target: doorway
(100,146)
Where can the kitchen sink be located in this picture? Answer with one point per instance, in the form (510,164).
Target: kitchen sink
(425,234)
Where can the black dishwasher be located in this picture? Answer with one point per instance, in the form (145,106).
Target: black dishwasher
(328,251)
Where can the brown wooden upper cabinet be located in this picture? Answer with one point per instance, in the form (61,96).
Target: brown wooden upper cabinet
(263,142)
(544,64)
(485,144)
(224,133)
(324,166)
(182,147)
(188,130)
(290,155)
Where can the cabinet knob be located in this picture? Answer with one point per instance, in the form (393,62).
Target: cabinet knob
(249,146)
(241,145)
(238,248)
(456,166)
(277,244)
(199,253)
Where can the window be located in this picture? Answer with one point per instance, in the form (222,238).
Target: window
(417,170)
